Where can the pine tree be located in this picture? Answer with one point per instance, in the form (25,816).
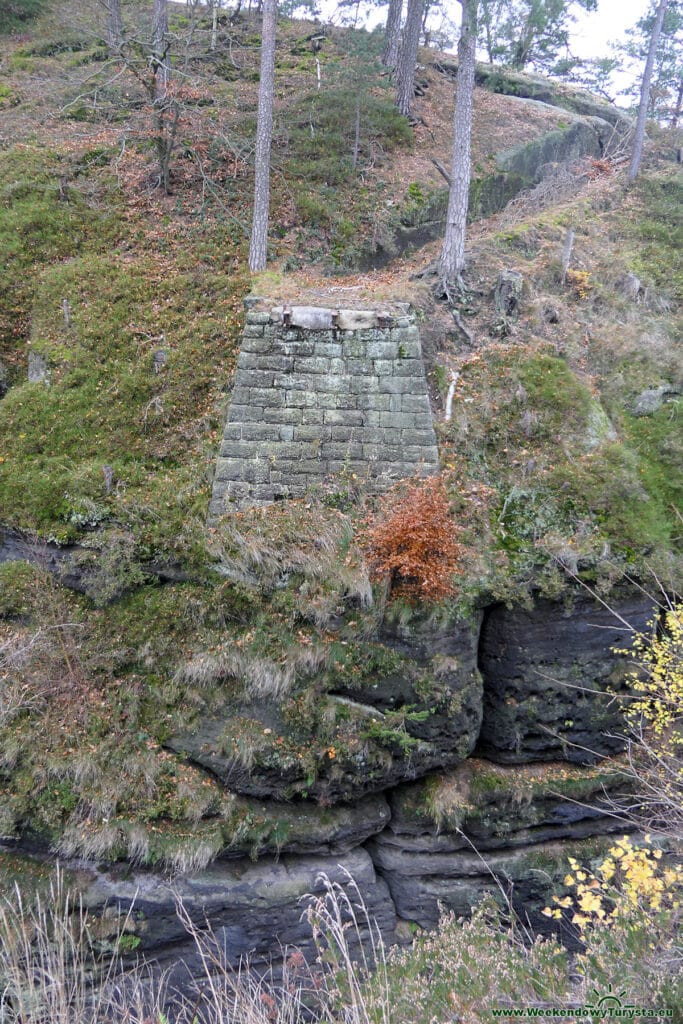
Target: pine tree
(264,137)
(452,259)
(639,138)
(407,57)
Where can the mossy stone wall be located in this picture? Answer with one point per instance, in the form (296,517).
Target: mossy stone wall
(322,393)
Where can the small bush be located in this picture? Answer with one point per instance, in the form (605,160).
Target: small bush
(412,542)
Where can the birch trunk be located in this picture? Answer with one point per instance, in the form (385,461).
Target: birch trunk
(405,69)
(264,137)
(452,259)
(392,34)
(639,138)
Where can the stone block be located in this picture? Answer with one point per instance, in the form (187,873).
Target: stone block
(397,420)
(287,433)
(382,350)
(313,432)
(256,471)
(341,433)
(248,378)
(301,399)
(237,490)
(293,381)
(354,348)
(275,362)
(328,349)
(359,367)
(426,438)
(252,331)
(254,317)
(408,368)
(232,432)
(237,449)
(260,432)
(312,364)
(356,319)
(331,383)
(315,468)
(426,453)
(363,385)
(415,403)
(228,469)
(328,401)
(341,450)
(312,416)
(281,416)
(374,401)
(312,318)
(297,347)
(401,385)
(297,450)
(256,343)
(239,395)
(409,347)
(267,397)
(245,413)
(343,417)
(252,361)
(345,466)
(383,367)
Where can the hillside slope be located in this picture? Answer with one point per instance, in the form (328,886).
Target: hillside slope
(562,456)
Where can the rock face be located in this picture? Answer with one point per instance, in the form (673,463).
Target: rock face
(545,675)
(255,911)
(499,825)
(419,711)
(453,839)
(320,393)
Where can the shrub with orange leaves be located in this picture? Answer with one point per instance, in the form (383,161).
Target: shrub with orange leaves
(412,541)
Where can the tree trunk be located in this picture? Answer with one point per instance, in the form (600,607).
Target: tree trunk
(452,259)
(405,69)
(392,34)
(639,138)
(679,104)
(114,26)
(214,25)
(486,11)
(264,138)
(160,46)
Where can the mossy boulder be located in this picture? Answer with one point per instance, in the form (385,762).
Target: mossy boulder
(386,712)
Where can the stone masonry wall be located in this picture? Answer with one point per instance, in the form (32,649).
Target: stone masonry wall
(320,392)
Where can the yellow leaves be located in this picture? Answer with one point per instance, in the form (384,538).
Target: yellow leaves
(630,879)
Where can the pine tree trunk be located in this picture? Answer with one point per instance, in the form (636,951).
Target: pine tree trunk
(405,69)
(264,137)
(452,259)
(639,138)
(679,105)
(115,26)
(486,10)
(160,46)
(392,34)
